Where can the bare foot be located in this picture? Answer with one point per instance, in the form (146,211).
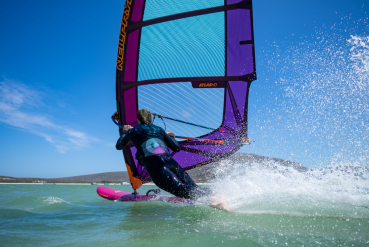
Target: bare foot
(219,202)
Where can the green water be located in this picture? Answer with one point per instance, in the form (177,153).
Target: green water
(74,215)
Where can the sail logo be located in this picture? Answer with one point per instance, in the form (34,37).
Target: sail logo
(208,84)
(205,84)
(122,36)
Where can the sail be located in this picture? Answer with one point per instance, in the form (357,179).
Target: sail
(191,60)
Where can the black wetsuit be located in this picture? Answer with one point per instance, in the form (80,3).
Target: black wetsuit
(152,145)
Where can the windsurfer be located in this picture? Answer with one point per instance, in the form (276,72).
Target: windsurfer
(152,144)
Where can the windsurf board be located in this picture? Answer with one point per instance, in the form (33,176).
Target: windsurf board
(124,196)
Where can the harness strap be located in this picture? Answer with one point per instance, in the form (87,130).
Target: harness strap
(162,119)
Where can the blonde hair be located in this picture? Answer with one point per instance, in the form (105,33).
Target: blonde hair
(144,116)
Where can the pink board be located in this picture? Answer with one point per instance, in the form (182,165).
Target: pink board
(123,196)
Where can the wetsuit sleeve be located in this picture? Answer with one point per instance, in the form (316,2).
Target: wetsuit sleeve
(172,143)
(123,140)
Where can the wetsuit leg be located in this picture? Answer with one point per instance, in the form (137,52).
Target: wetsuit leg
(169,176)
(178,171)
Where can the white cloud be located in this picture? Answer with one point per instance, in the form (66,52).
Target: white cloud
(22,106)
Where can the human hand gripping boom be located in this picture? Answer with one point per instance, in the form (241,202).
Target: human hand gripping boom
(127,127)
(171,134)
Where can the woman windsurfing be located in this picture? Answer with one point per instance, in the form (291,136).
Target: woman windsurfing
(152,144)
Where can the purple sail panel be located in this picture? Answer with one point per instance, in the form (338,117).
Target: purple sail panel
(217,135)
(134,151)
(137,10)
(130,70)
(239,89)
(240,59)
(236,106)
(141,171)
(217,149)
(233,1)
(187,159)
(130,109)
(230,112)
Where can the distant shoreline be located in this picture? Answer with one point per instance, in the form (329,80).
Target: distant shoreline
(63,183)
(89,183)
(71,183)
(202,175)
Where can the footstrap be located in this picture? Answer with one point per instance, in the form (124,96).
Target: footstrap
(156,192)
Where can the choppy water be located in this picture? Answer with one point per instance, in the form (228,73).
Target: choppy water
(270,208)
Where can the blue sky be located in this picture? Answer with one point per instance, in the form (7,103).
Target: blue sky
(57,84)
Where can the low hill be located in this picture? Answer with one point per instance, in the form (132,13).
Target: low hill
(201,174)
(99,177)
(107,177)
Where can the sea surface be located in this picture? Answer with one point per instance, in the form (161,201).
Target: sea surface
(271,207)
